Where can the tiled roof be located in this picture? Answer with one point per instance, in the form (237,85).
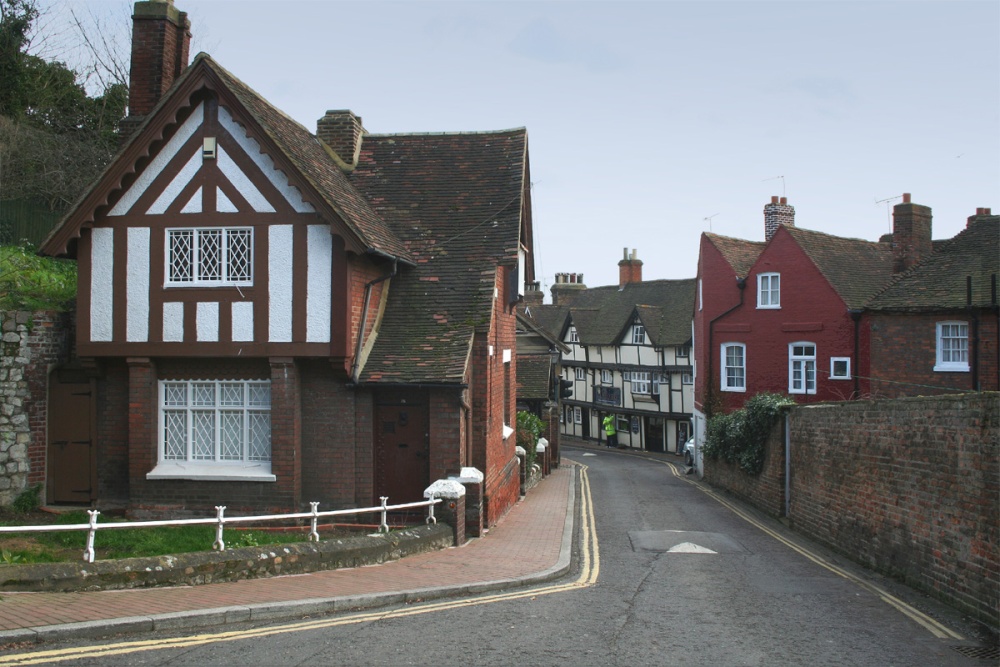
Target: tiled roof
(739,253)
(855,268)
(455,201)
(550,318)
(939,281)
(533,377)
(304,150)
(601,314)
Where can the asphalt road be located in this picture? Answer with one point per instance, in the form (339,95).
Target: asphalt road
(666,574)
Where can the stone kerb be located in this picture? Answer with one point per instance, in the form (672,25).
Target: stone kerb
(472,479)
(452,510)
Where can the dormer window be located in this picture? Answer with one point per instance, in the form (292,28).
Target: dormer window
(209,257)
(638,334)
(574,337)
(769,290)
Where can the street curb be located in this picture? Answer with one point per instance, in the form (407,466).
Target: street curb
(277,611)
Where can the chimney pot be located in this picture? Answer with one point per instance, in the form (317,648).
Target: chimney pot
(774,199)
(783,200)
(906,197)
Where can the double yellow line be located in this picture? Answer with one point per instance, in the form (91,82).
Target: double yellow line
(935,628)
(589,570)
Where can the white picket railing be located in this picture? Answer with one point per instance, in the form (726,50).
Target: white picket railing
(221,520)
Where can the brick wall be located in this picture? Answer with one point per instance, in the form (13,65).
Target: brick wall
(909,487)
(904,351)
(33,343)
(767,490)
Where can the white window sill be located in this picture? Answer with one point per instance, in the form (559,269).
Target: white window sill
(738,389)
(759,307)
(213,472)
(951,368)
(507,431)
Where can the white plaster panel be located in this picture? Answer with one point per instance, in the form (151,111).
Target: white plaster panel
(265,163)
(194,204)
(319,286)
(279,269)
(208,321)
(173,322)
(222,203)
(137,289)
(242,321)
(102,261)
(254,197)
(153,169)
(173,189)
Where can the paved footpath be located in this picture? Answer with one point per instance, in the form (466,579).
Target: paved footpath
(531,544)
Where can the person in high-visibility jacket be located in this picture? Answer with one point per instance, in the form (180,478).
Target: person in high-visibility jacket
(609,430)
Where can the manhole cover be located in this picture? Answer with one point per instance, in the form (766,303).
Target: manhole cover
(979,652)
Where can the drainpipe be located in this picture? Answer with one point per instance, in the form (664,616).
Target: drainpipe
(974,338)
(356,364)
(740,283)
(788,464)
(856,316)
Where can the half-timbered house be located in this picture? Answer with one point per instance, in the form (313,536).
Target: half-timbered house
(268,315)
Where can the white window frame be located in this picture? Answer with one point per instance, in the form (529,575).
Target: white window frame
(606,376)
(769,290)
(687,378)
(952,359)
(683,352)
(574,335)
(577,415)
(641,382)
(638,334)
(734,382)
(217,466)
(658,380)
(195,278)
(580,373)
(802,368)
(834,375)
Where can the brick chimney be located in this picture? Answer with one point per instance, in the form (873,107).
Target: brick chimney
(568,286)
(161,39)
(778,212)
(980,213)
(341,132)
(533,296)
(911,234)
(629,269)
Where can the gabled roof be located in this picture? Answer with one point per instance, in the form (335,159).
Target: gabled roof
(290,144)
(533,375)
(457,203)
(528,324)
(738,253)
(601,314)
(855,268)
(940,281)
(551,318)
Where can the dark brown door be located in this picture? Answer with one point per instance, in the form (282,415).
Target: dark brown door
(402,448)
(654,435)
(70,465)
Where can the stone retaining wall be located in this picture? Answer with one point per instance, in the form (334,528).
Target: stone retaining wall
(33,343)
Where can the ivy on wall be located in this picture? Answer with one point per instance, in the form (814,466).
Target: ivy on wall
(739,436)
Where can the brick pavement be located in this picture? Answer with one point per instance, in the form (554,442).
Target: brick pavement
(532,543)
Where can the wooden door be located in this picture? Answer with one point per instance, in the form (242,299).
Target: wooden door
(402,448)
(70,465)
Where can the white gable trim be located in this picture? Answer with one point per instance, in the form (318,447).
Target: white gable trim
(264,163)
(155,167)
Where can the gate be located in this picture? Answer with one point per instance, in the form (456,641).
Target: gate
(71,470)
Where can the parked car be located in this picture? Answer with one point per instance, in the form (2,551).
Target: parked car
(689,452)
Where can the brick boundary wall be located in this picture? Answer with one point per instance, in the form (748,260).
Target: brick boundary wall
(908,487)
(33,343)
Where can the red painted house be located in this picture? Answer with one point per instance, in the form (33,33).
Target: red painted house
(269,315)
(784,315)
(824,318)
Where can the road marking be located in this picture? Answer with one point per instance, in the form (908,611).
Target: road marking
(689,548)
(589,571)
(939,630)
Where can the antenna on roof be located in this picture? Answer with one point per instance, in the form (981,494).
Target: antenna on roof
(774,179)
(709,220)
(888,208)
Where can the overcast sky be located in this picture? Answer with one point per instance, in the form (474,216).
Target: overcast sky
(651,122)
